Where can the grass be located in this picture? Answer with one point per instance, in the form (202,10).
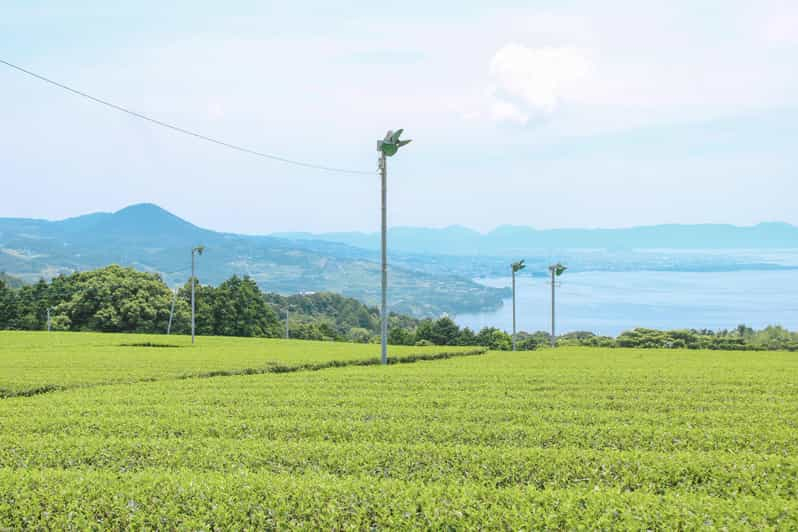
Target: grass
(37,362)
(565,439)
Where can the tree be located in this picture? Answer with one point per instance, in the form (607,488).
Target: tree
(359,335)
(425,331)
(113,299)
(494,338)
(7,305)
(31,307)
(401,336)
(445,332)
(239,309)
(529,342)
(467,337)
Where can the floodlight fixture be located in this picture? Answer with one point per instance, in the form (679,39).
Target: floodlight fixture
(557,269)
(391,143)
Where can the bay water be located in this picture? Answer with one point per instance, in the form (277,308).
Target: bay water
(611,302)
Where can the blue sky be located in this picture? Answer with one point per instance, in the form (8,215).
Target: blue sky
(548,114)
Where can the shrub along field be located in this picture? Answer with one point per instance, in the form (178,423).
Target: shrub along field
(34,362)
(565,438)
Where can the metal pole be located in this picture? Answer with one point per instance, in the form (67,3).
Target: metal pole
(513,269)
(48,319)
(171,313)
(286,323)
(552,308)
(384,241)
(192,296)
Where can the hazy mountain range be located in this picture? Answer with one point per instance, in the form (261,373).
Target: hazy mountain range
(151,239)
(431,269)
(510,240)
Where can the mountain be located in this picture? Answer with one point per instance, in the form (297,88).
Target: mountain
(149,238)
(505,241)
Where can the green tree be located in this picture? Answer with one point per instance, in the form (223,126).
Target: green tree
(31,307)
(359,335)
(529,342)
(401,336)
(467,337)
(494,338)
(445,331)
(239,309)
(425,331)
(7,306)
(114,299)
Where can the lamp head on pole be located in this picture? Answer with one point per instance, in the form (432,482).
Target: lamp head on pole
(518,266)
(557,269)
(391,143)
(198,249)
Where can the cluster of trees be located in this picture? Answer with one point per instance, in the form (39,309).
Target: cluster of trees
(741,338)
(117,299)
(773,337)
(444,331)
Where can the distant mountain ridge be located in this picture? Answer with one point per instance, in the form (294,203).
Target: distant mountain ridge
(510,240)
(431,270)
(150,238)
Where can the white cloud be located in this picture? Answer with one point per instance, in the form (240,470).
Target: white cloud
(502,111)
(533,82)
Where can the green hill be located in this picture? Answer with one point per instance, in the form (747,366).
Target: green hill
(151,239)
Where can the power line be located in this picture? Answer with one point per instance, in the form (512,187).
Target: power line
(182,130)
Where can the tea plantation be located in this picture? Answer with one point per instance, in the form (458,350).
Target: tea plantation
(566,438)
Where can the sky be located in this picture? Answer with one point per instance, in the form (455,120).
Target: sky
(537,113)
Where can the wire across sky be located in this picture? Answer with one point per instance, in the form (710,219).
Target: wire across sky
(184,131)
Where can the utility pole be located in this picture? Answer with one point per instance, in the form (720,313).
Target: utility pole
(387,147)
(384,259)
(555,270)
(515,267)
(553,337)
(171,313)
(194,251)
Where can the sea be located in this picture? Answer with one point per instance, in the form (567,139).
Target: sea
(610,302)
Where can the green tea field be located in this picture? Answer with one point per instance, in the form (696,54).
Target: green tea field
(563,438)
(33,362)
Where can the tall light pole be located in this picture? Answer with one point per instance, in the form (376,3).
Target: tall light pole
(194,251)
(555,270)
(387,147)
(516,267)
